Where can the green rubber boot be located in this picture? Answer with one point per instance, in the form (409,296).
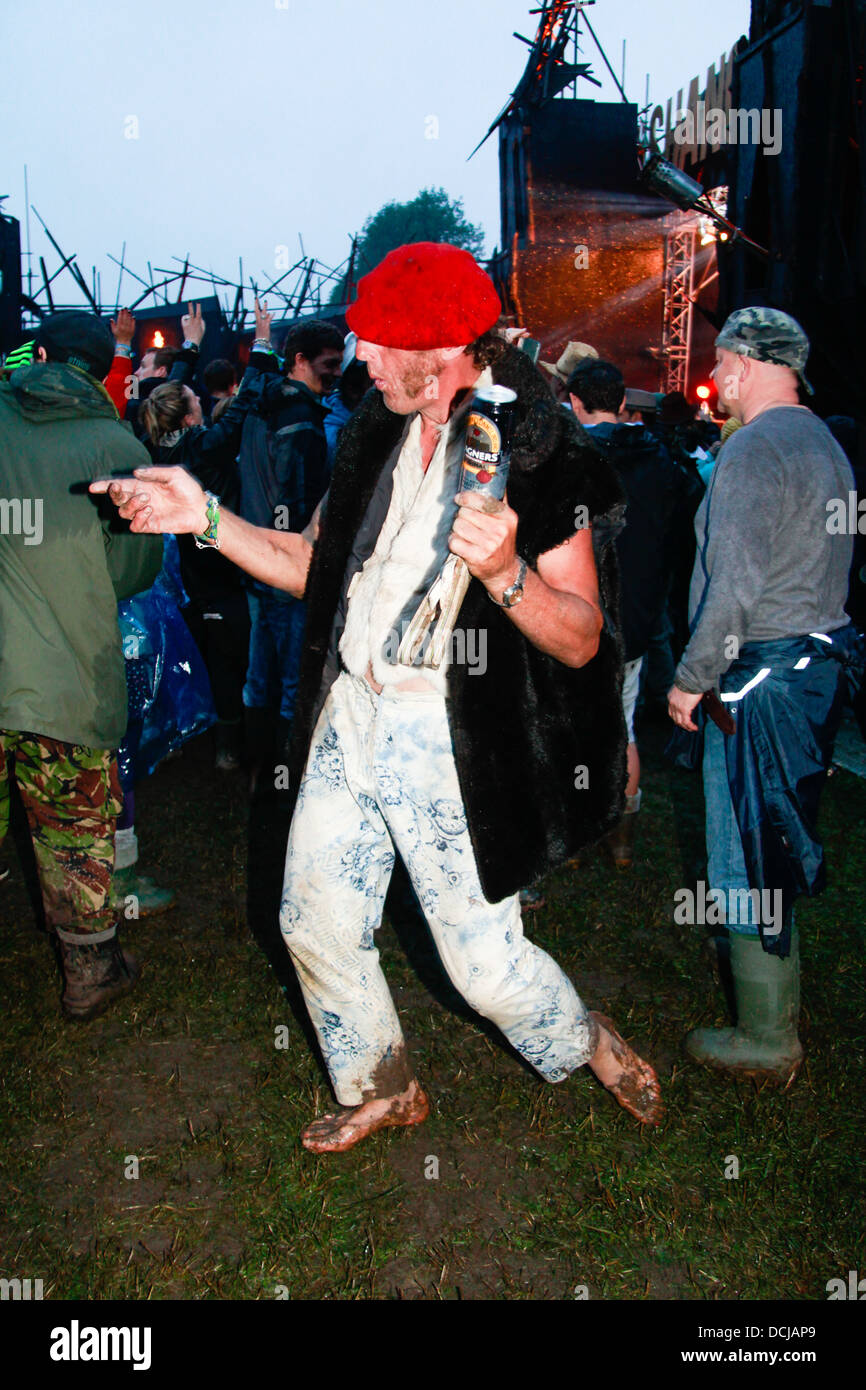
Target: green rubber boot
(149,898)
(764,1044)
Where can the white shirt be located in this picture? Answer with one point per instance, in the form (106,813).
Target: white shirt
(411,550)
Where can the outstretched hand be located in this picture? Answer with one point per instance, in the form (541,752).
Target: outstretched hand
(515,336)
(158,500)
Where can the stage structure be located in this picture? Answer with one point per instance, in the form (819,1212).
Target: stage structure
(775,134)
(808,203)
(583,244)
(297,291)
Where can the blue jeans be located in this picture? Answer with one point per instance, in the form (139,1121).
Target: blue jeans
(726,865)
(276,639)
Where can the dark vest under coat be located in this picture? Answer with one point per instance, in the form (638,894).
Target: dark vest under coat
(539,746)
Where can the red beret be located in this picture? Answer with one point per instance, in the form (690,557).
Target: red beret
(422,296)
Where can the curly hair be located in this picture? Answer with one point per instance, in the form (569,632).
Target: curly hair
(487,350)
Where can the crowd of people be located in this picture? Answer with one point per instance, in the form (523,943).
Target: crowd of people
(643,554)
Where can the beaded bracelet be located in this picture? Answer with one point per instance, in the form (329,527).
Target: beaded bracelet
(209,540)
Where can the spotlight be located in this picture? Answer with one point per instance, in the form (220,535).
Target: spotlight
(686,193)
(671,183)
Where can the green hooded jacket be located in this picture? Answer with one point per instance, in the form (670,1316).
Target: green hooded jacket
(65,557)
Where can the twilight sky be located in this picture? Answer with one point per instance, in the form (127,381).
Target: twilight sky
(257,120)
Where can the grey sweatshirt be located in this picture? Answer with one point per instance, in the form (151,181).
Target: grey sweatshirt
(767,564)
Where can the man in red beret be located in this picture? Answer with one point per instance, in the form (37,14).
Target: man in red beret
(482,774)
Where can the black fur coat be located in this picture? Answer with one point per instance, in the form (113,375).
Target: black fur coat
(539,747)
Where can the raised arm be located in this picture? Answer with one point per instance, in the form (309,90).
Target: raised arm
(170,499)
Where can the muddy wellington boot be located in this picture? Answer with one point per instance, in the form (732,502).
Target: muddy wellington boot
(134,895)
(95,972)
(260,734)
(618,843)
(282,750)
(764,1044)
(227,745)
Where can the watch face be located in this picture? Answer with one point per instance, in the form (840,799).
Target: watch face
(514,593)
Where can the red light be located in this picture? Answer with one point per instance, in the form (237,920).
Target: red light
(703,393)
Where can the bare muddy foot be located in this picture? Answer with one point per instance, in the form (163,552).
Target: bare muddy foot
(628,1078)
(338,1132)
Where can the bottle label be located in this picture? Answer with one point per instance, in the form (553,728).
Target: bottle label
(482,456)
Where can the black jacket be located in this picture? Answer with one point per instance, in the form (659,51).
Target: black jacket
(183,370)
(522,730)
(284,456)
(660,505)
(210,453)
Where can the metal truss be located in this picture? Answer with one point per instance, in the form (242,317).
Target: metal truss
(679,277)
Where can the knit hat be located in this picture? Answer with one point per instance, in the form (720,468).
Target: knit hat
(424,295)
(79,339)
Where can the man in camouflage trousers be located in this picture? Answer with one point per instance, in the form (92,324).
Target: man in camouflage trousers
(62,686)
(70,795)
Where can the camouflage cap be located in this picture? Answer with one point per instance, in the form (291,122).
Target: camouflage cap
(768,335)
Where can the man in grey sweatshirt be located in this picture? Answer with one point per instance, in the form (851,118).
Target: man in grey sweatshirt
(770,567)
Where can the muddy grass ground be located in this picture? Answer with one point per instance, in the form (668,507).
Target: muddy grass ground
(541,1190)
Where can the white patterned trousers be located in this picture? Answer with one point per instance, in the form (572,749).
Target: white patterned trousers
(380,774)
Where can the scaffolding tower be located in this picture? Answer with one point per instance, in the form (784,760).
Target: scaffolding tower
(678,302)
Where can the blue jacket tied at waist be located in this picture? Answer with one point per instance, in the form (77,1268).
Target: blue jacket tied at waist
(787,697)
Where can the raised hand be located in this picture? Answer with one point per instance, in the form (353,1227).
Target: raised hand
(158,500)
(124,329)
(193,324)
(263,319)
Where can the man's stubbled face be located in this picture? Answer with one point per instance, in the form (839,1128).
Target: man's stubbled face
(408,380)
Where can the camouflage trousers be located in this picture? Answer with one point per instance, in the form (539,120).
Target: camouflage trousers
(72,798)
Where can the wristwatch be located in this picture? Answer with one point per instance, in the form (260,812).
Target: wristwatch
(514,593)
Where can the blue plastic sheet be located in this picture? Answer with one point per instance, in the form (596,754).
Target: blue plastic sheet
(167,683)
